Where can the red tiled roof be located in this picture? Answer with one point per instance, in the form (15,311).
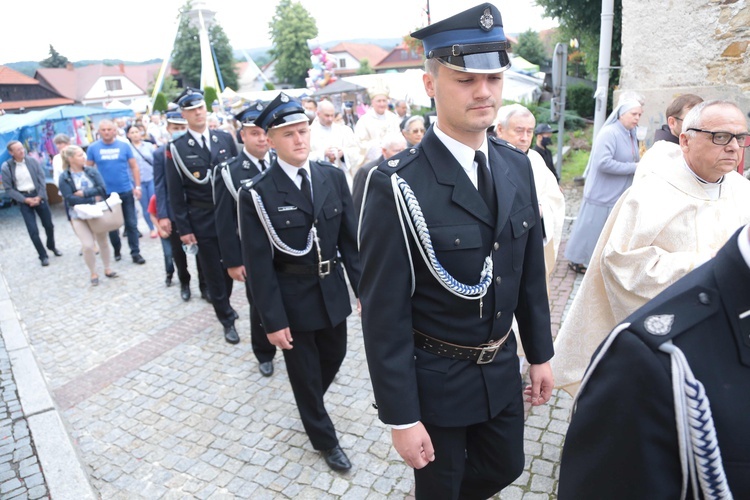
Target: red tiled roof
(75,83)
(35,103)
(359,51)
(10,76)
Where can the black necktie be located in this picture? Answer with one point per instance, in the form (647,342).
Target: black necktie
(262,164)
(485,186)
(205,146)
(305,187)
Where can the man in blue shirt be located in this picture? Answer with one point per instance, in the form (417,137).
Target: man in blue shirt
(113,158)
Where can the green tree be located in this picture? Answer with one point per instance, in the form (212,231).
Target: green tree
(168,87)
(581,19)
(55,59)
(364,67)
(186,56)
(160,103)
(210,97)
(291,28)
(530,47)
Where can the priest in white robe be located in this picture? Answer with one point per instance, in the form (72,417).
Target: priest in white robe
(334,142)
(670,222)
(376,123)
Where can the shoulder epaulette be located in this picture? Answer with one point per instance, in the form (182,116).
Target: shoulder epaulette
(505,144)
(325,163)
(666,320)
(399,160)
(248,184)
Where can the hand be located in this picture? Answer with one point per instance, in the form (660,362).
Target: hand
(237,273)
(189,239)
(30,202)
(541,386)
(36,200)
(281,338)
(359,308)
(78,193)
(137,193)
(166,227)
(414,445)
(331,154)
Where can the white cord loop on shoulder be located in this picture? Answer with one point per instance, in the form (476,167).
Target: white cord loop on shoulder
(407,203)
(183,170)
(274,238)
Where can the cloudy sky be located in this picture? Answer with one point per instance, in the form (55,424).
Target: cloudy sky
(137,30)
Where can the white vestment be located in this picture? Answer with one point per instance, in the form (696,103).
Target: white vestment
(370,131)
(661,153)
(338,136)
(663,227)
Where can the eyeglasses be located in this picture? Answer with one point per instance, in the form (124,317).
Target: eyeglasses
(724,138)
(415,130)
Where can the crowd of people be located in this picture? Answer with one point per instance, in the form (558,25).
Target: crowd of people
(446,229)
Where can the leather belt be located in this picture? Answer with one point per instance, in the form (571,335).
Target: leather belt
(200,204)
(482,354)
(323,269)
(29,194)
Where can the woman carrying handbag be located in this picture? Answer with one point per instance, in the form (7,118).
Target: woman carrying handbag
(84,185)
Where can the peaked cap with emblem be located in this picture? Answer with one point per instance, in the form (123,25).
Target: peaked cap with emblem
(176,118)
(281,112)
(249,114)
(472,41)
(190,98)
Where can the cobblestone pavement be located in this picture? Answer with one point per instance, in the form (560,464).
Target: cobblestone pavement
(159,406)
(20,473)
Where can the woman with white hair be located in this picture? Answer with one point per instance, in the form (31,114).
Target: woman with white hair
(610,171)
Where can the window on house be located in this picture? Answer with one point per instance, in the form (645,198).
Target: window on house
(113,85)
(342,63)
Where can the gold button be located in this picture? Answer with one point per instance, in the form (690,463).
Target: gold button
(525,224)
(498,280)
(496,245)
(457,242)
(497,316)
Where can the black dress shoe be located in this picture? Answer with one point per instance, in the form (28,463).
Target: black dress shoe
(337,459)
(230,335)
(117,256)
(138,259)
(45,261)
(57,252)
(266,368)
(185,291)
(168,280)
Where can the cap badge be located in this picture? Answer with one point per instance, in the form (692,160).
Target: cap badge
(486,21)
(393,163)
(197,175)
(660,324)
(259,107)
(284,98)
(246,165)
(191,143)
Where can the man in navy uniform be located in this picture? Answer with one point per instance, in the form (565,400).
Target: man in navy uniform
(663,408)
(228,177)
(296,276)
(451,248)
(176,127)
(190,162)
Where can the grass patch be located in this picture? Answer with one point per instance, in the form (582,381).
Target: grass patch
(574,163)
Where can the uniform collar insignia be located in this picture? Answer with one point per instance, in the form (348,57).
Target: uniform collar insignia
(486,21)
(393,163)
(214,138)
(246,164)
(191,143)
(660,324)
(284,98)
(197,175)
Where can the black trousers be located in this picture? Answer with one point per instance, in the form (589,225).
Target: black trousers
(262,348)
(181,262)
(130,217)
(312,365)
(29,218)
(474,462)
(217,279)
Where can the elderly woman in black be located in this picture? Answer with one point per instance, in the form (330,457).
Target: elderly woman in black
(80,184)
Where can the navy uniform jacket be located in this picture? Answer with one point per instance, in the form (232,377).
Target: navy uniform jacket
(622,441)
(163,210)
(300,302)
(192,204)
(241,169)
(411,384)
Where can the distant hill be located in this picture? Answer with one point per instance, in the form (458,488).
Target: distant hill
(30,67)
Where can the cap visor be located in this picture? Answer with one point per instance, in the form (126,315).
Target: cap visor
(483,62)
(290,119)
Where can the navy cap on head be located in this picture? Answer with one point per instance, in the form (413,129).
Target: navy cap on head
(249,114)
(282,111)
(472,41)
(176,118)
(190,98)
(544,128)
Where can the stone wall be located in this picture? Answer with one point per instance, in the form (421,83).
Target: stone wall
(672,47)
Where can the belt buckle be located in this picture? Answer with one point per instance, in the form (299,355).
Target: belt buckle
(489,351)
(324,268)
(456,50)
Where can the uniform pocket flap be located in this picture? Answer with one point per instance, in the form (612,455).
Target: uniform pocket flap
(332,210)
(446,238)
(287,219)
(522,221)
